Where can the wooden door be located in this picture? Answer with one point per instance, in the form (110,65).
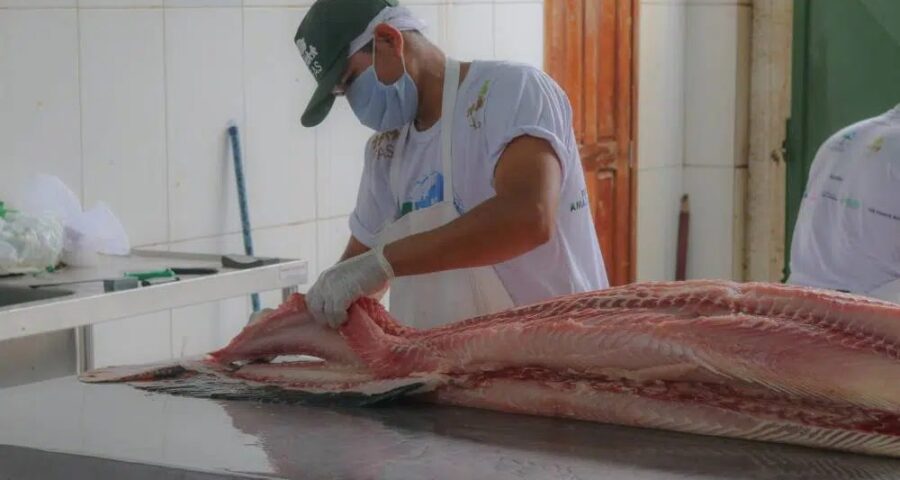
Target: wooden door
(588,50)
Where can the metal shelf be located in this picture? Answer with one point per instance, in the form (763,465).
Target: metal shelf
(89,304)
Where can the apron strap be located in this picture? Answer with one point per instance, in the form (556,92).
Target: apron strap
(448,106)
(396,160)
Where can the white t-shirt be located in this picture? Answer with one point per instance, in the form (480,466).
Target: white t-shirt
(847,235)
(497,102)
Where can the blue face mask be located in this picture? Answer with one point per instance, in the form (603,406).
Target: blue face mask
(383,107)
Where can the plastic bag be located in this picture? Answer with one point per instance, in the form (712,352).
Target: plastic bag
(29,243)
(85,233)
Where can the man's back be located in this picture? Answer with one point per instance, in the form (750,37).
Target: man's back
(847,235)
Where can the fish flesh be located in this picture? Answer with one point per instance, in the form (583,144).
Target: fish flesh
(756,361)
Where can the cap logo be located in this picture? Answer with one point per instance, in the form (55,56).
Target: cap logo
(309,54)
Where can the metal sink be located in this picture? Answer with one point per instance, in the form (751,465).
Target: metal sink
(16,295)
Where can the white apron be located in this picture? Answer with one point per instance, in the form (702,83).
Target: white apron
(889,292)
(434,299)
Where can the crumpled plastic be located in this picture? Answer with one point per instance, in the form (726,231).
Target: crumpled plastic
(29,243)
(50,226)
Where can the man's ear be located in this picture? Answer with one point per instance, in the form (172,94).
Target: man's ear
(389,37)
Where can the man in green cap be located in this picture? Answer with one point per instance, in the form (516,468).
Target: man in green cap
(472,198)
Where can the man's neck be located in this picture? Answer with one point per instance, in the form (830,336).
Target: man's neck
(430,84)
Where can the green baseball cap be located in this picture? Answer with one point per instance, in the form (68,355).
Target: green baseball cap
(324,38)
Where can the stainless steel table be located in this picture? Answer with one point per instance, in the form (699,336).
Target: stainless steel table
(88,431)
(50,337)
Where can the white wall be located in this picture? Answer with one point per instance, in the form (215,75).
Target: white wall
(694,61)
(128,100)
(660,139)
(717,90)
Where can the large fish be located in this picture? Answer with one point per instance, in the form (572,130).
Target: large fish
(755,361)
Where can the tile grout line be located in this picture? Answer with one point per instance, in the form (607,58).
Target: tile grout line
(256,229)
(243,120)
(494,29)
(79,81)
(165,81)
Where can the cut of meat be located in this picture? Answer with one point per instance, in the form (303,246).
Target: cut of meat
(756,361)
(287,331)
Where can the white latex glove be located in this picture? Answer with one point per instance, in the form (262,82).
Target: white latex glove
(889,292)
(339,286)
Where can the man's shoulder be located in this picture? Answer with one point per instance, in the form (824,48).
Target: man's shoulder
(504,74)
(501,88)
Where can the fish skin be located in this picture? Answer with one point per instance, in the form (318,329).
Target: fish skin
(756,361)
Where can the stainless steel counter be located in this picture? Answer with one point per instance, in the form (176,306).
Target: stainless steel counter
(100,423)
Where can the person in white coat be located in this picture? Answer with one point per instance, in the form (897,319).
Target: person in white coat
(472,198)
(847,235)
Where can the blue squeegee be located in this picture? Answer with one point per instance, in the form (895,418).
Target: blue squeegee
(242,199)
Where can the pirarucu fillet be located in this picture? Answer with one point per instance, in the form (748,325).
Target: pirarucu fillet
(755,361)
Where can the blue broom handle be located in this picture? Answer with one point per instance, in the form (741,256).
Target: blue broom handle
(242,200)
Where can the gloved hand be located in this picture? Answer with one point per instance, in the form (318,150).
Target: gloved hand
(339,286)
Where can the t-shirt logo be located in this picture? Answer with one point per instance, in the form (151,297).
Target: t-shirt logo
(426,192)
(383,144)
(477,105)
(876,145)
(842,142)
(580,203)
(309,54)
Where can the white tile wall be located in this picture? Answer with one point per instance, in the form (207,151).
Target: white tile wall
(333,235)
(278,3)
(716,137)
(39,97)
(119,3)
(124,118)
(201,328)
(340,148)
(692,115)
(661,107)
(140,339)
(292,241)
(710,250)
(289,241)
(37,3)
(661,99)
(519,32)
(712,85)
(279,161)
(128,103)
(205,91)
(433,17)
(659,201)
(198,329)
(471,28)
(202,3)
